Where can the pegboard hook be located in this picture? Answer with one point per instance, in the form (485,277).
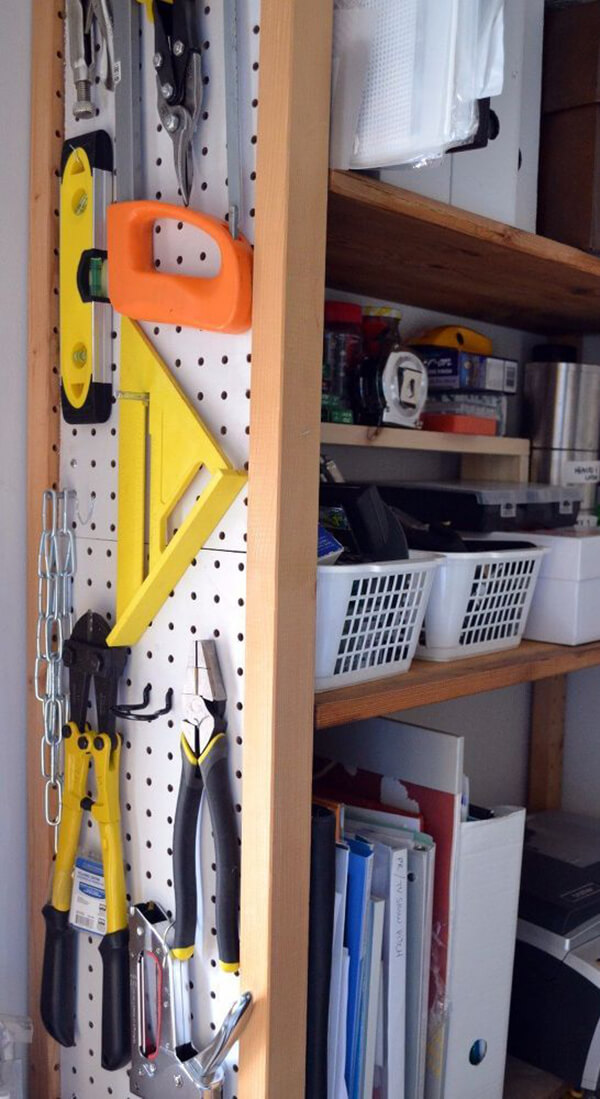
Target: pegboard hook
(90,511)
(130,711)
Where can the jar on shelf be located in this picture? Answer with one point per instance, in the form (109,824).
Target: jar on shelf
(342,352)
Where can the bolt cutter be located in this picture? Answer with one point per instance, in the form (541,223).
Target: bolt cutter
(88,658)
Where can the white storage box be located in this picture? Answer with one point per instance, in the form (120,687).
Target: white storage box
(369,618)
(479,603)
(566,604)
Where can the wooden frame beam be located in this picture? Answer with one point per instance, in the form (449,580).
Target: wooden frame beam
(43,425)
(548,711)
(291,203)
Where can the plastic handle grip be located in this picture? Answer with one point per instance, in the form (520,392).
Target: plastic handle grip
(57,1002)
(222,303)
(184,855)
(215,772)
(116,1031)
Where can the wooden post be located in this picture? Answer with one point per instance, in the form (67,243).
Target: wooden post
(493,467)
(546,745)
(43,426)
(295,62)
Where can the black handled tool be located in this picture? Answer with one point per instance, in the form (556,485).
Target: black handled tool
(205,768)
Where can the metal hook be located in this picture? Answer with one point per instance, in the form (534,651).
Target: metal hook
(92,504)
(130,711)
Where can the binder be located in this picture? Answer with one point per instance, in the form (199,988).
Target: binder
(360,871)
(421,873)
(390,866)
(474,907)
(321,914)
(338,1004)
(420,881)
(377,905)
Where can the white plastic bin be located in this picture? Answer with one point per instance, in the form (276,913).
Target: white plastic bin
(369,618)
(479,603)
(565,609)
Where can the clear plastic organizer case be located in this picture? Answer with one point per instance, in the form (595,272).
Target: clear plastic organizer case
(369,618)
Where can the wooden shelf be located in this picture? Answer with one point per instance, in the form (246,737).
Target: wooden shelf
(399,438)
(427,682)
(392,244)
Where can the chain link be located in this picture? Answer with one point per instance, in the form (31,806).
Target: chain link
(56,569)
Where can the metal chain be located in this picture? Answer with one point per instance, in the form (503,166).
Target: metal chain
(56,569)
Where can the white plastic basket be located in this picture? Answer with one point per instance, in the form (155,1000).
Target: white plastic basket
(479,603)
(369,618)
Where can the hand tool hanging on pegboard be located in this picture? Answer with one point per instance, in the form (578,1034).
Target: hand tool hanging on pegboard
(180,90)
(161,1063)
(85,314)
(90,660)
(163,1052)
(86,190)
(222,303)
(90,25)
(162,445)
(205,768)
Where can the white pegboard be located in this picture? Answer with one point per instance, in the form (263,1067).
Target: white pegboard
(213,370)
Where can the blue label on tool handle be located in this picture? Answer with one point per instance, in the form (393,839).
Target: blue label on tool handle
(90,892)
(88,901)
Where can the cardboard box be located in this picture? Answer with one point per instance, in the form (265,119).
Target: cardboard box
(449,369)
(569,176)
(571,72)
(569,182)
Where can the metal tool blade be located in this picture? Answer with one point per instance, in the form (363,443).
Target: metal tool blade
(82,71)
(103,15)
(127,79)
(232,115)
(203,680)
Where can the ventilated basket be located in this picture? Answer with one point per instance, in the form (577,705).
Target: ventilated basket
(369,618)
(479,603)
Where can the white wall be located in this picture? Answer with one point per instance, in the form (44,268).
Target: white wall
(14,172)
(496,731)
(581,774)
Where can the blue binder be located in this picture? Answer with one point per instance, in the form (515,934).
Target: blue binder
(360,872)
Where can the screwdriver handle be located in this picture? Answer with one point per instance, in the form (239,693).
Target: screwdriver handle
(215,773)
(184,854)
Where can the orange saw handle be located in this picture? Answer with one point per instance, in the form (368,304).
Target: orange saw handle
(222,303)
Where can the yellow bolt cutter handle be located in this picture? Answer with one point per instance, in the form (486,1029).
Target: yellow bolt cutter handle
(76,772)
(58,978)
